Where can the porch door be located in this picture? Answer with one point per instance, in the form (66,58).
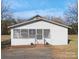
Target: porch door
(39,36)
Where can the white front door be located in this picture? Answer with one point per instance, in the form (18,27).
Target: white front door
(39,37)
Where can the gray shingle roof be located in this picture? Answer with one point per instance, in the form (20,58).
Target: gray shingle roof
(35,19)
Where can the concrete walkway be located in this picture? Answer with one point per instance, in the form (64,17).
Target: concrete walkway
(27,53)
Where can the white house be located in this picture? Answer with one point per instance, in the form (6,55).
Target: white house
(39,30)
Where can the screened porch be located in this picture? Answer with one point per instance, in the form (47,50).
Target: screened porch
(31,33)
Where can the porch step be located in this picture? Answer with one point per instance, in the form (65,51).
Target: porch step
(40,45)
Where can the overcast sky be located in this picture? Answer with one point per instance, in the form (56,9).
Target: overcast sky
(29,8)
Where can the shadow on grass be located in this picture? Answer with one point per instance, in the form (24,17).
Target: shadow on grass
(5,44)
(69,40)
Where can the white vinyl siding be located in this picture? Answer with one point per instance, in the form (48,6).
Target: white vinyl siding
(54,37)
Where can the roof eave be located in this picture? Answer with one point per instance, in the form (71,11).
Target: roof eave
(41,19)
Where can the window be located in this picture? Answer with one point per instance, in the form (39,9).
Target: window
(39,37)
(24,33)
(46,33)
(32,33)
(39,31)
(39,34)
(16,33)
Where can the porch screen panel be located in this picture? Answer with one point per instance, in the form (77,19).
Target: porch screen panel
(46,33)
(24,33)
(39,34)
(39,31)
(32,33)
(16,33)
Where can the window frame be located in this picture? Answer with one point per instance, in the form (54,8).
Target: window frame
(47,34)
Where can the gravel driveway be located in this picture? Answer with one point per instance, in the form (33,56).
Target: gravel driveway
(27,53)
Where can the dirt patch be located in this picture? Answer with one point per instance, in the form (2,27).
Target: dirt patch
(27,53)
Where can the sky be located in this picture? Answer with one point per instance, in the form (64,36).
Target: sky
(29,8)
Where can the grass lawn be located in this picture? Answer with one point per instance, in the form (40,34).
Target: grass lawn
(66,51)
(5,41)
(5,37)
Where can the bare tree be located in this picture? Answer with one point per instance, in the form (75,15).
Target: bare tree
(71,15)
(6,18)
(58,20)
(5,11)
